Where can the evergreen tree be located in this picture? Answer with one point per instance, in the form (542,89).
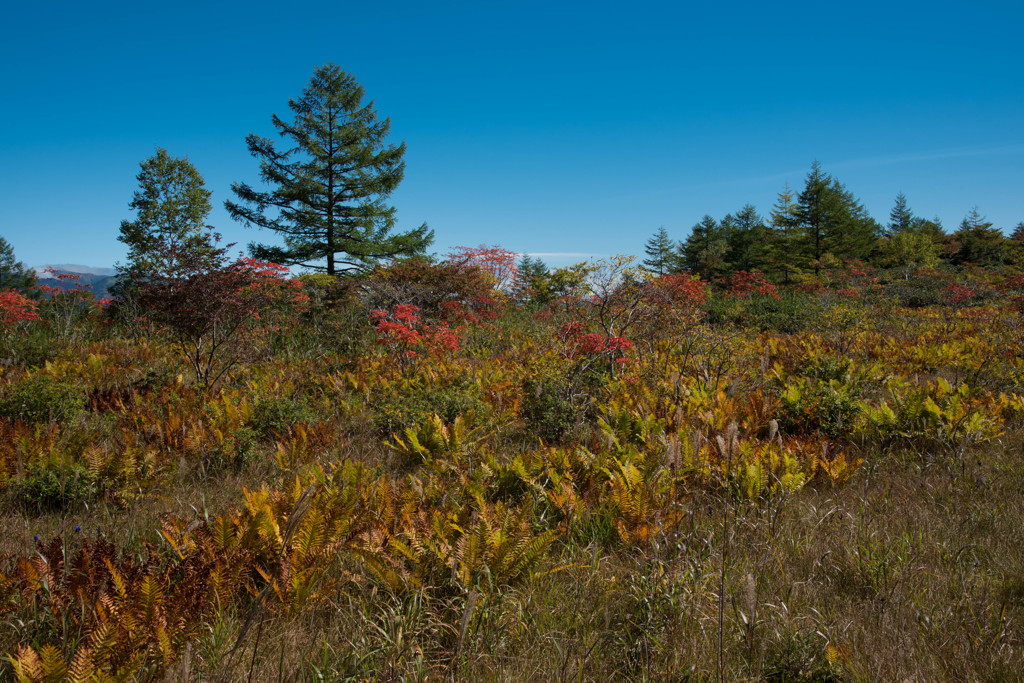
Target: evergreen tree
(1016,243)
(530,276)
(901,219)
(171,207)
(661,253)
(746,236)
(781,246)
(13,274)
(329,187)
(977,242)
(832,220)
(704,250)
(932,228)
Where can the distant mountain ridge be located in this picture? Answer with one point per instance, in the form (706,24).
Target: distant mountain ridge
(97,280)
(73,268)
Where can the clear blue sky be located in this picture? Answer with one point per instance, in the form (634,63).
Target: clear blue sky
(546,127)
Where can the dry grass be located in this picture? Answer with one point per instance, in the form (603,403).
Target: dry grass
(912,570)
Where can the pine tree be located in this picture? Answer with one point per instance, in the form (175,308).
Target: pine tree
(13,274)
(832,220)
(781,248)
(530,276)
(329,187)
(529,269)
(661,253)
(901,219)
(746,236)
(171,207)
(703,252)
(977,242)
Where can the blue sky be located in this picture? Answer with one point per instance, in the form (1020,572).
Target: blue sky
(558,128)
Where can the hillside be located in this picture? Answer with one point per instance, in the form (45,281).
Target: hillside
(644,478)
(96,280)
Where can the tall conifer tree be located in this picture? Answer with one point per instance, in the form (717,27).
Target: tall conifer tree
(330,185)
(901,219)
(979,243)
(661,253)
(13,273)
(832,220)
(704,250)
(781,249)
(746,235)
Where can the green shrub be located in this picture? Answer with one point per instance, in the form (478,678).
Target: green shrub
(719,310)
(35,349)
(788,315)
(546,413)
(57,486)
(238,448)
(275,415)
(395,412)
(818,406)
(41,398)
(796,656)
(919,291)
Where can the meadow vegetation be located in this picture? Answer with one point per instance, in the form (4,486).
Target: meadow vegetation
(449,470)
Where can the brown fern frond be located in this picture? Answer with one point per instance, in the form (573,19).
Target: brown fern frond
(83,667)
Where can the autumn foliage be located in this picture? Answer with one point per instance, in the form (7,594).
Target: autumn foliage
(424,477)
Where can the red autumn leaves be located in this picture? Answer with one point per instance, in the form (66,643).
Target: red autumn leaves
(402,329)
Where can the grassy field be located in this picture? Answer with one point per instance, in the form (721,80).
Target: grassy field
(659,481)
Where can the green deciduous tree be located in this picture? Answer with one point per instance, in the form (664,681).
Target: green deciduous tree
(171,207)
(908,251)
(13,274)
(328,188)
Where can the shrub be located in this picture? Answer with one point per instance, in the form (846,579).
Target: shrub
(209,303)
(547,414)
(830,408)
(428,286)
(919,291)
(399,411)
(789,313)
(34,349)
(57,486)
(237,449)
(276,414)
(41,398)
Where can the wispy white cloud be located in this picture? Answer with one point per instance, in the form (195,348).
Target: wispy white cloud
(931,156)
(888,160)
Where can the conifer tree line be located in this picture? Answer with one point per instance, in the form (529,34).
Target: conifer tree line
(324,191)
(825,224)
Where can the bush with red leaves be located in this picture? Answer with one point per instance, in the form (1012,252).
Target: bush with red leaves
(209,303)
